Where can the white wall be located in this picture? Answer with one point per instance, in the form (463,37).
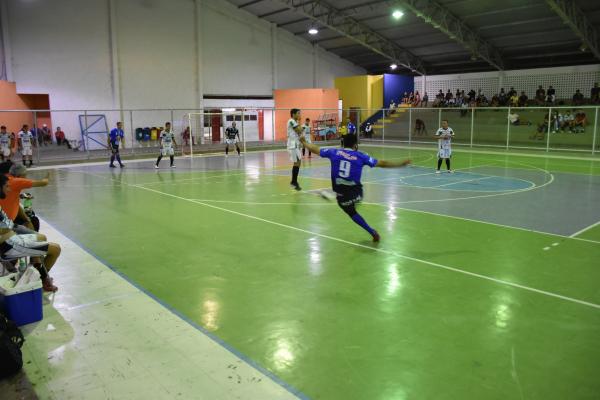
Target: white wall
(564,79)
(145,56)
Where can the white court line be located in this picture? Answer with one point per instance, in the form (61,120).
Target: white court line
(482,222)
(481,151)
(433,173)
(503,193)
(534,186)
(584,230)
(429,263)
(468,180)
(264,204)
(393,253)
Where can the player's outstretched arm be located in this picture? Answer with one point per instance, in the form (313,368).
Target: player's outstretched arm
(392,164)
(311,147)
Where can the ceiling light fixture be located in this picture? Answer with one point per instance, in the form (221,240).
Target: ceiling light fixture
(313,31)
(393,66)
(397,14)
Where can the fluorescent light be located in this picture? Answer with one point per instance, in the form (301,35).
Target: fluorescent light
(393,66)
(313,31)
(228,110)
(397,14)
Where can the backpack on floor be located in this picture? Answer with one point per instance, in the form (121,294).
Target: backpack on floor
(11,340)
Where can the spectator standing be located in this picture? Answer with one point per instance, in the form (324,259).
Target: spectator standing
(550,95)
(523,99)
(595,94)
(514,100)
(368,130)
(578,98)
(502,98)
(417,99)
(46,135)
(449,97)
(471,96)
(425,100)
(392,107)
(186,136)
(540,95)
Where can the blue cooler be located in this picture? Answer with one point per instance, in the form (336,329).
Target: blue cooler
(21,304)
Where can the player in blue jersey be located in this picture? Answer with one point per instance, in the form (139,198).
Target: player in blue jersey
(115,137)
(346,169)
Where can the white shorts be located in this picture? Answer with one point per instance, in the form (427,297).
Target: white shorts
(18,246)
(307,139)
(167,151)
(231,141)
(6,151)
(445,153)
(26,151)
(295,155)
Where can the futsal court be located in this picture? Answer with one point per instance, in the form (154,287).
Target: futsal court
(484,284)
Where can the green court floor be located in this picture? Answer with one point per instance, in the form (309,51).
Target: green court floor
(476,291)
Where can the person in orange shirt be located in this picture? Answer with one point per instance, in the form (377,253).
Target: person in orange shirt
(11,210)
(10,204)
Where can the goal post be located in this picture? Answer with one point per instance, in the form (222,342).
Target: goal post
(208,129)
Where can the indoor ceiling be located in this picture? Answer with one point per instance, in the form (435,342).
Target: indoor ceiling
(522,33)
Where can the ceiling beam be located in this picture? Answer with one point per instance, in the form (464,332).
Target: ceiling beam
(353,10)
(555,54)
(441,18)
(273,13)
(579,23)
(546,20)
(248,4)
(556,30)
(334,19)
(502,11)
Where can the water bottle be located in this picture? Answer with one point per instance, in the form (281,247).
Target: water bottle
(22,266)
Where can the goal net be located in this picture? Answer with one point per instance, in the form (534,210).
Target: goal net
(208,130)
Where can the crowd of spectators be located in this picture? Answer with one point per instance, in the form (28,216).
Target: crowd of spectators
(512,98)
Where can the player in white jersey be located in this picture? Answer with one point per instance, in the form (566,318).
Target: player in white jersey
(306,134)
(444,136)
(294,130)
(167,140)
(5,139)
(26,141)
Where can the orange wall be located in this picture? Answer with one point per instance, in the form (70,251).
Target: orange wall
(10,100)
(305,100)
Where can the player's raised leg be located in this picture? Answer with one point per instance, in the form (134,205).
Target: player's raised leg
(346,170)
(347,199)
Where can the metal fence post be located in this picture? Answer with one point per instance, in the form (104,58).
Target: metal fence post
(507,127)
(85,135)
(595,129)
(243,131)
(409,125)
(273,137)
(132,132)
(472,123)
(37,137)
(549,125)
(383,125)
